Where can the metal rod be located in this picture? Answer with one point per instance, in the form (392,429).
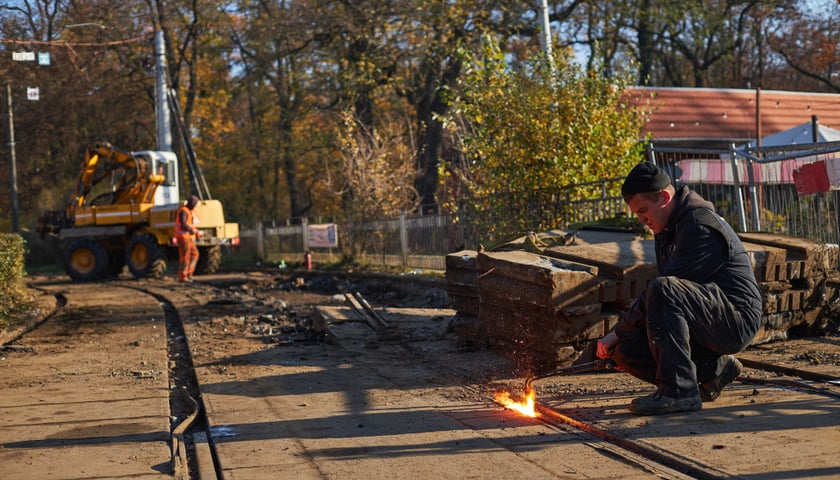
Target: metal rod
(593,366)
(13,190)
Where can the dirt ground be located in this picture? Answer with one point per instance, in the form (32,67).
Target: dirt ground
(291,383)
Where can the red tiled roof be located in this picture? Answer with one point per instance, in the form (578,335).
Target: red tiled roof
(728,114)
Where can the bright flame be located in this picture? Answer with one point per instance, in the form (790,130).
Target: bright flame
(523,404)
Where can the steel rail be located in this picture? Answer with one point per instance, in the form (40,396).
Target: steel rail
(182,455)
(790,384)
(180,462)
(629,450)
(667,459)
(792,372)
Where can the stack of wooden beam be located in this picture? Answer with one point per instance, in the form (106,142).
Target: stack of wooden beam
(798,280)
(541,308)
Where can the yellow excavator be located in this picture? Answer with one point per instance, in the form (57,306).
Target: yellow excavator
(122,213)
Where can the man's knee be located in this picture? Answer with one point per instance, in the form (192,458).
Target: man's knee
(670,304)
(668,294)
(660,287)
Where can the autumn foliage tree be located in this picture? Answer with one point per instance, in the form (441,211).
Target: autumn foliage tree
(525,133)
(262,85)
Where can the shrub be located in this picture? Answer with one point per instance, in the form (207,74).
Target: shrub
(14,297)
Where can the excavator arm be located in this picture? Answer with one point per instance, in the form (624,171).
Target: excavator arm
(132,180)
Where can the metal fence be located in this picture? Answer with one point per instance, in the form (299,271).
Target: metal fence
(753,188)
(411,242)
(422,242)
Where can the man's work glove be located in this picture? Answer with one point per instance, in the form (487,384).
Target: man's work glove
(606,346)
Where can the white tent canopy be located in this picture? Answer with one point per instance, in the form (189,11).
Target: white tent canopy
(801,134)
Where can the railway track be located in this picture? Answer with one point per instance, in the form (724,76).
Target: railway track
(645,456)
(186,407)
(198,452)
(669,463)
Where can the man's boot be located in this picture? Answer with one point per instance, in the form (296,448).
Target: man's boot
(660,404)
(710,390)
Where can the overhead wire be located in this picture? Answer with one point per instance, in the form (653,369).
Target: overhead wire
(63,43)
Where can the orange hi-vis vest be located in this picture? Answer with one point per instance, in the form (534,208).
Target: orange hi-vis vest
(179,227)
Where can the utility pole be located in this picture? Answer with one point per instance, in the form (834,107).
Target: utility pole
(162,119)
(12,163)
(545,38)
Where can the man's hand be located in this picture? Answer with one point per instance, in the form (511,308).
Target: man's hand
(606,346)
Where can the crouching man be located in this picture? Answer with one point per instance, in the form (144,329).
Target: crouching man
(703,306)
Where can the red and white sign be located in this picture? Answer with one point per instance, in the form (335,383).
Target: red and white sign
(323,235)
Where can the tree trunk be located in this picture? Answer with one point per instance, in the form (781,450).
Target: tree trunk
(430,105)
(646,46)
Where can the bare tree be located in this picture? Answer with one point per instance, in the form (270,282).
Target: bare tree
(375,177)
(810,45)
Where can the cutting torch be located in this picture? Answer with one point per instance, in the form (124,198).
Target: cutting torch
(593,366)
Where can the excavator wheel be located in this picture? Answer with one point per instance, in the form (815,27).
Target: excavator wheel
(209,259)
(145,257)
(86,260)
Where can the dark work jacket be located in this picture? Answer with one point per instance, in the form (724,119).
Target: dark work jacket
(698,245)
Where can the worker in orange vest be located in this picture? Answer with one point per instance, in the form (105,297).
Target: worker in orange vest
(185,234)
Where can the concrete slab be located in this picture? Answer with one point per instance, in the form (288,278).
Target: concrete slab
(366,412)
(70,409)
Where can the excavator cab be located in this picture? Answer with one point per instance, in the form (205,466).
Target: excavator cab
(164,164)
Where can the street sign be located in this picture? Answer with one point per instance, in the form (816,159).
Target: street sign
(43,58)
(23,56)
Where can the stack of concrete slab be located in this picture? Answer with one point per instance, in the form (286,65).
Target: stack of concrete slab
(462,281)
(540,308)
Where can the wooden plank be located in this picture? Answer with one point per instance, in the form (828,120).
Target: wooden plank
(541,333)
(799,247)
(526,339)
(465,305)
(768,261)
(817,257)
(462,290)
(529,308)
(608,291)
(461,277)
(593,237)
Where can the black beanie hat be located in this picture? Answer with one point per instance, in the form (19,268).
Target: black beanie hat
(645,177)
